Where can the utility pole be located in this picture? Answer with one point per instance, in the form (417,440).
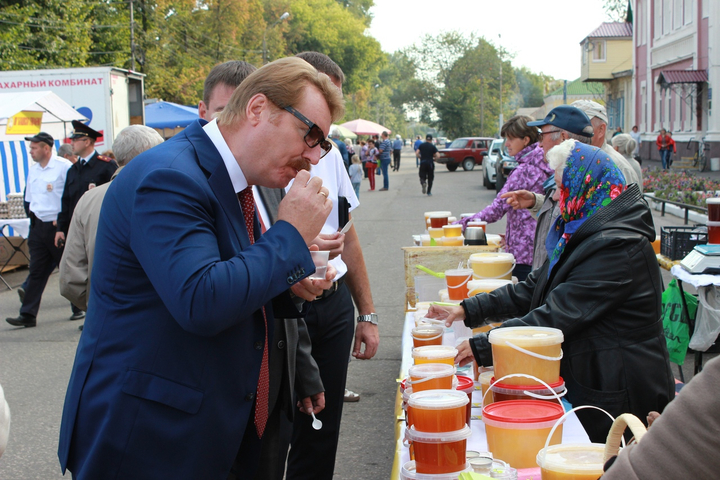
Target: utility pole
(501,86)
(264,45)
(132,36)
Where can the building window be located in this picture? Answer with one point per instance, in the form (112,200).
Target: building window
(688,16)
(598,49)
(657,11)
(667,16)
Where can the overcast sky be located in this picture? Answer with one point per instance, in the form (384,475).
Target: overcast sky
(544,36)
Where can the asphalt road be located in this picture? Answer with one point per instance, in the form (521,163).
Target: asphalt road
(35,363)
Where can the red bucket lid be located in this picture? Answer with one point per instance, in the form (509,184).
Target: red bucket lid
(402,384)
(523,411)
(465,383)
(539,386)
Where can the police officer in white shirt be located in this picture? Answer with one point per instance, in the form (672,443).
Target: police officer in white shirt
(43,193)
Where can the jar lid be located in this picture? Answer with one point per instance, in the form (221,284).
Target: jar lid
(438,399)
(713,200)
(488,283)
(438,437)
(431,370)
(434,351)
(428,329)
(523,411)
(465,384)
(526,336)
(539,388)
(572,458)
(408,472)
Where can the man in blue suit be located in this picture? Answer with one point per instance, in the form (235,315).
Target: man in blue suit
(169,379)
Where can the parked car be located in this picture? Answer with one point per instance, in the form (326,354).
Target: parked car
(465,151)
(495,152)
(503,169)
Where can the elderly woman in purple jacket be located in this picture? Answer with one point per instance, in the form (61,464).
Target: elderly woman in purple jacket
(532,170)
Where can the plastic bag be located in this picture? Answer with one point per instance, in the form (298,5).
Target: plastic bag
(675,325)
(707,324)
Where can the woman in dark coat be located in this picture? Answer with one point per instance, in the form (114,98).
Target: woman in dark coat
(601,286)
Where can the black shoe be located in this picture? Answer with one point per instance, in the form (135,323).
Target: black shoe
(77,316)
(24,320)
(21,294)
(80,328)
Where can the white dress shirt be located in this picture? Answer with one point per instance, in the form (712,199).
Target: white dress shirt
(44,188)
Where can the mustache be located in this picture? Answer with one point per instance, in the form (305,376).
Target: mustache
(300,164)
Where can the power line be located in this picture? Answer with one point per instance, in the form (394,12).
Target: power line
(64,27)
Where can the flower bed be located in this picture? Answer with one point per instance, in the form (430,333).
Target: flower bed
(679,186)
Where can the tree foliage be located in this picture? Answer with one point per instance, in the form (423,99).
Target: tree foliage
(616,10)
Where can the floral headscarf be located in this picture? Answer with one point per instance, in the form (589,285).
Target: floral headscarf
(590,181)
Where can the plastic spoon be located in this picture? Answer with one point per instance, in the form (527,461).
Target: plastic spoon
(430,272)
(316,424)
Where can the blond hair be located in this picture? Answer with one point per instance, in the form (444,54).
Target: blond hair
(283,83)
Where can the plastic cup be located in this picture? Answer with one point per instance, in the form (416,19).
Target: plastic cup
(435,232)
(441,452)
(437,411)
(452,230)
(425,240)
(713,232)
(485,379)
(320,259)
(713,205)
(437,221)
(532,351)
(457,282)
(431,376)
(452,241)
(435,354)
(435,214)
(427,335)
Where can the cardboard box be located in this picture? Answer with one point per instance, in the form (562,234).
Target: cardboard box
(7,251)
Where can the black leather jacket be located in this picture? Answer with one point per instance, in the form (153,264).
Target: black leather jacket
(605,295)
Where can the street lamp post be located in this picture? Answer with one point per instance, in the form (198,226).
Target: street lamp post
(264,45)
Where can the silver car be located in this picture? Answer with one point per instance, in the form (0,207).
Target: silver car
(494,153)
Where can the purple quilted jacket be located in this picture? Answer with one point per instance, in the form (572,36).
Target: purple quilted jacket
(531,172)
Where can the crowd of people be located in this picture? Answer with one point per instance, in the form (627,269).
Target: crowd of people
(192,259)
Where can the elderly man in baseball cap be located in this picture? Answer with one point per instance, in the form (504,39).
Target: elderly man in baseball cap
(562,123)
(599,120)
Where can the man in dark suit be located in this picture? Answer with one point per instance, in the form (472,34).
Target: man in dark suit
(89,171)
(291,366)
(171,373)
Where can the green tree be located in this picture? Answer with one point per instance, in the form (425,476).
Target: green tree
(616,10)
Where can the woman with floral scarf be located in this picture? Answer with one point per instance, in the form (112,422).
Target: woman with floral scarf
(601,286)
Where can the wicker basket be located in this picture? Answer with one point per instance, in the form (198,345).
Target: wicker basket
(612,445)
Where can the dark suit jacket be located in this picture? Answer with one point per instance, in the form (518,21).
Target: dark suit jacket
(292,367)
(167,366)
(98,170)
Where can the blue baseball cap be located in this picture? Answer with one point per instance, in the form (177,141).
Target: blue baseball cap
(567,118)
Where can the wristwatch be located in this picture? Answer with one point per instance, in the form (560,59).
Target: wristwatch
(372,318)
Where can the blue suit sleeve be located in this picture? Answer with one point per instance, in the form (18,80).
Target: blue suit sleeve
(184,241)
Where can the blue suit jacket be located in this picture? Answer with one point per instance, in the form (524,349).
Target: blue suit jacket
(167,366)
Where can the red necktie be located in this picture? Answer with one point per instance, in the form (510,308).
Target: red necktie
(263,388)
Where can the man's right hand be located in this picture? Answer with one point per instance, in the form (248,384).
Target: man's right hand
(519,199)
(59,236)
(306,206)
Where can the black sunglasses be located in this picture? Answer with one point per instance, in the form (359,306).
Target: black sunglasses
(314,135)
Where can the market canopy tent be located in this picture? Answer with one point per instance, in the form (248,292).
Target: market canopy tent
(169,115)
(342,132)
(57,116)
(365,127)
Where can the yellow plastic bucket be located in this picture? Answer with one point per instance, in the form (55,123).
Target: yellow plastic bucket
(491,265)
(571,462)
(535,351)
(476,287)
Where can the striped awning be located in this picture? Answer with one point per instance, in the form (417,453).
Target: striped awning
(670,77)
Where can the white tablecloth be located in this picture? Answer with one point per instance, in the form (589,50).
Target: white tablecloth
(573,432)
(20,226)
(696,280)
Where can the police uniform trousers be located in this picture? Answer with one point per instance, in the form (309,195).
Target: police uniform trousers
(331,325)
(44,257)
